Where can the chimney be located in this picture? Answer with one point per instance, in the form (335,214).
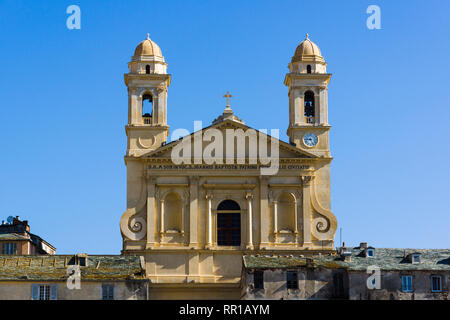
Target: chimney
(27,227)
(346,254)
(16,220)
(363,245)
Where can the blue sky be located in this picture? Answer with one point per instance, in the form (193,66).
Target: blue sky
(63,106)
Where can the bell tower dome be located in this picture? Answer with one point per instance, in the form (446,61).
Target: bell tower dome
(147,82)
(148,59)
(307,81)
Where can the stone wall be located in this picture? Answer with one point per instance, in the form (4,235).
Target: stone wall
(321,283)
(312,284)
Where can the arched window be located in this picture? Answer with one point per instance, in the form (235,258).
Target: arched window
(228,224)
(147,108)
(286,212)
(308,68)
(172,212)
(147,69)
(309,107)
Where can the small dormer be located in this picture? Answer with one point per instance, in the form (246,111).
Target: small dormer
(80,259)
(414,257)
(369,252)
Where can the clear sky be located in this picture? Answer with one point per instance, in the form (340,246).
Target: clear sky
(63,106)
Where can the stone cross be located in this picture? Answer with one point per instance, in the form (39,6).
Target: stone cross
(228,96)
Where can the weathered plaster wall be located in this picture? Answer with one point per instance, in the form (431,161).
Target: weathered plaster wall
(123,290)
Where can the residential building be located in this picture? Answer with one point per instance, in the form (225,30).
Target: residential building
(349,273)
(72,277)
(16,239)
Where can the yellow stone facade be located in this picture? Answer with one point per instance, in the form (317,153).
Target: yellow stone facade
(176,213)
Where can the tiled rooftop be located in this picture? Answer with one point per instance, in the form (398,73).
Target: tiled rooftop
(54,267)
(13,236)
(385,258)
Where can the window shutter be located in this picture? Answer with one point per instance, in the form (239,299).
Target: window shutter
(104,292)
(54,292)
(34,292)
(108,292)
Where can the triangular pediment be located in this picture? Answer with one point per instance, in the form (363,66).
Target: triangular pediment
(285,150)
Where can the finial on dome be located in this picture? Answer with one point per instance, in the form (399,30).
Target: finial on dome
(148,36)
(307,36)
(228,96)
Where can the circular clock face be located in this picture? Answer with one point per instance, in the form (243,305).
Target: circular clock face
(310,139)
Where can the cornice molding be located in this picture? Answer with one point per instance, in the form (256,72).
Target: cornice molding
(229,186)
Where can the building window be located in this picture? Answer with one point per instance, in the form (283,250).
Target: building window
(147,69)
(338,282)
(309,107)
(370,253)
(308,68)
(82,261)
(44,292)
(436,284)
(416,258)
(108,292)
(258,279)
(407,284)
(228,224)
(291,280)
(9,248)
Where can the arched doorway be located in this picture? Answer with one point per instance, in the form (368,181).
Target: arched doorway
(228,223)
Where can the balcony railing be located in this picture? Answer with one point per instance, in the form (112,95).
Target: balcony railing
(309,119)
(147,119)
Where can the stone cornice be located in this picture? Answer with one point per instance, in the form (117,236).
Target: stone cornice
(144,76)
(306,76)
(172,185)
(228,186)
(282,185)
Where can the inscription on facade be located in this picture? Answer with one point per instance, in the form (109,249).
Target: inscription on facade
(223,167)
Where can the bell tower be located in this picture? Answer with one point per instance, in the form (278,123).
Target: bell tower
(147,82)
(307,81)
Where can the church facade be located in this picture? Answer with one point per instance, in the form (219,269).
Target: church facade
(195,207)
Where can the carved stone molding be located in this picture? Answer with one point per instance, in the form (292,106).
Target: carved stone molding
(151,180)
(132,226)
(271,196)
(194,179)
(186,194)
(228,186)
(264,179)
(306,180)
